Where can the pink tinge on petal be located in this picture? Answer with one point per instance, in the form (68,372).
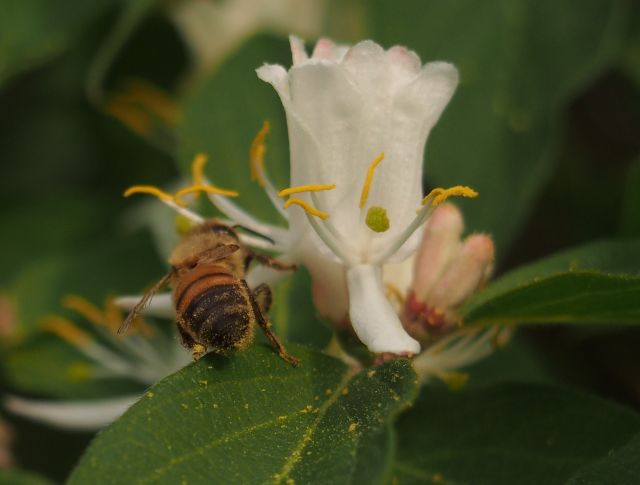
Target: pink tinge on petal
(298,52)
(466,273)
(402,58)
(325,49)
(440,244)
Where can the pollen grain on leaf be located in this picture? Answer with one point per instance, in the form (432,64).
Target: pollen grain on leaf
(368,179)
(309,209)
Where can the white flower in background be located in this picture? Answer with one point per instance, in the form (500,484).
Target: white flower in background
(212,29)
(353,113)
(146,357)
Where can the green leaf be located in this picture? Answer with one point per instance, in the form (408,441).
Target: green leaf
(33,31)
(252,418)
(520,64)
(293,315)
(524,434)
(598,282)
(619,467)
(222,117)
(20,477)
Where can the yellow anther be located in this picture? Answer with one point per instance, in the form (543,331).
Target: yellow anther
(256,154)
(151,190)
(209,189)
(305,188)
(131,116)
(310,210)
(85,308)
(367,181)
(438,196)
(66,330)
(151,98)
(197,168)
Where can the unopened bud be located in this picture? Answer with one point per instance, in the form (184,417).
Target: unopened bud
(467,272)
(440,243)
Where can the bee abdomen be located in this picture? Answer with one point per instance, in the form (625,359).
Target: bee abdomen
(220,316)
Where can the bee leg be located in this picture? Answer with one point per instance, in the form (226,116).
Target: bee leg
(262,292)
(272,262)
(197,349)
(262,296)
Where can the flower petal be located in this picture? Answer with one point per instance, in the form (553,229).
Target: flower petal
(372,316)
(75,415)
(298,52)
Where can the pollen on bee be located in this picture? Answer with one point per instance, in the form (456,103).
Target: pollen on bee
(310,210)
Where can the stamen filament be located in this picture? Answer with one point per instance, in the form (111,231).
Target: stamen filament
(369,178)
(151,190)
(329,240)
(439,195)
(305,188)
(308,209)
(209,189)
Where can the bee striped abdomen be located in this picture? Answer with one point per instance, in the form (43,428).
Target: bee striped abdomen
(214,306)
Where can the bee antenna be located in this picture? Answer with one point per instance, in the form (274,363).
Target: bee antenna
(255,233)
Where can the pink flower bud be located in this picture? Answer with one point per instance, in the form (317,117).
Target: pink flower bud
(440,243)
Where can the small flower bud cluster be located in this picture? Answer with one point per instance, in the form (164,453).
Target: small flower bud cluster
(447,271)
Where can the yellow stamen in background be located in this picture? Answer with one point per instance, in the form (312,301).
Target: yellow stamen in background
(197,168)
(131,116)
(256,154)
(66,330)
(85,308)
(305,188)
(310,210)
(80,372)
(209,189)
(439,195)
(151,190)
(367,181)
(151,98)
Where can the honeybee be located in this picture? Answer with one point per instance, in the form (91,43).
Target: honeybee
(215,307)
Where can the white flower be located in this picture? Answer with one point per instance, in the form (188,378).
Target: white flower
(346,107)
(358,122)
(144,357)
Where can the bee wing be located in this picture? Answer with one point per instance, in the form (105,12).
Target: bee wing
(214,254)
(143,302)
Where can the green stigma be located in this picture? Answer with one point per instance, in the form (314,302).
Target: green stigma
(377,219)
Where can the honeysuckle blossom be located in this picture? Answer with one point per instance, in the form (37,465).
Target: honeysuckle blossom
(358,121)
(145,357)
